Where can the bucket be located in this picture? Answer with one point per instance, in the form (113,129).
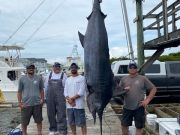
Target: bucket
(151,119)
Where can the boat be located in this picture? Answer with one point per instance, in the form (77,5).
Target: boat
(10,71)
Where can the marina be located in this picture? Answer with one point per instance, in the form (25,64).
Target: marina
(157,32)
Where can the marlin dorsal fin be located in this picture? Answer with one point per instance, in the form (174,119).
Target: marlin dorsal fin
(81,38)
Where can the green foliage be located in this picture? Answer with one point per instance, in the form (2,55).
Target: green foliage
(117,59)
(170,57)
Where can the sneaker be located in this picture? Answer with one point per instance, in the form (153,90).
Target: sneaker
(56,133)
(60,133)
(51,133)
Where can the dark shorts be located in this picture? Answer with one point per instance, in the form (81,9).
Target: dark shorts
(27,112)
(138,115)
(76,117)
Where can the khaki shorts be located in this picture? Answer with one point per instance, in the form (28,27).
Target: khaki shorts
(27,112)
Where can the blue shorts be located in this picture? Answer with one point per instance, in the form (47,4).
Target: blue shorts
(76,117)
(138,115)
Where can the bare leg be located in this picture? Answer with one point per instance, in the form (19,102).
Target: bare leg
(73,129)
(139,131)
(125,130)
(84,130)
(39,128)
(24,129)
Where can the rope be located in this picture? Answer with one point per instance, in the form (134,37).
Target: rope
(125,28)
(31,36)
(45,38)
(24,21)
(107,125)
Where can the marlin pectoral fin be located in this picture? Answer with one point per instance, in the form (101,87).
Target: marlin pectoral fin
(81,38)
(104,16)
(90,90)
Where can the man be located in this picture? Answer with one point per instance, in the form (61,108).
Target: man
(56,104)
(74,92)
(30,98)
(135,102)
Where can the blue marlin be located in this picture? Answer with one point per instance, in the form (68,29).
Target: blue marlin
(98,72)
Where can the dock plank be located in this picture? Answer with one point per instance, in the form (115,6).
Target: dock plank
(111,124)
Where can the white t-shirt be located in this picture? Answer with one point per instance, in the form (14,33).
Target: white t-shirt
(76,86)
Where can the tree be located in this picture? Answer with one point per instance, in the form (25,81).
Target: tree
(170,57)
(117,59)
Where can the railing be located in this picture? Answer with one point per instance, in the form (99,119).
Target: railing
(168,16)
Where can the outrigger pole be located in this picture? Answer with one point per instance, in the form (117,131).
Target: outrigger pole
(126,23)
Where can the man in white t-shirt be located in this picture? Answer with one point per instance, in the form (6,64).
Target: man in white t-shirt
(74,92)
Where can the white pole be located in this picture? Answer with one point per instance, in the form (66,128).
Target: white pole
(128,29)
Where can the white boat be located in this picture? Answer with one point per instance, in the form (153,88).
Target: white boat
(10,72)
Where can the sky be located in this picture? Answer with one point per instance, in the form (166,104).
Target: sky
(52,31)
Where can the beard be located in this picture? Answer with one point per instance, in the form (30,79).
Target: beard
(74,72)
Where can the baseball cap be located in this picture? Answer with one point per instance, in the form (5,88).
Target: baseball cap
(57,64)
(31,65)
(74,64)
(132,65)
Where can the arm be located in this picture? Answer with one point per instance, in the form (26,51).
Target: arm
(66,95)
(121,90)
(64,79)
(81,91)
(66,90)
(152,91)
(19,96)
(19,93)
(41,87)
(150,96)
(42,96)
(46,85)
(75,97)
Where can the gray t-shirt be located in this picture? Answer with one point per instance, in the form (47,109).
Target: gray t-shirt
(138,86)
(31,89)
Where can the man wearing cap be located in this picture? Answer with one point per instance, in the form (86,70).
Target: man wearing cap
(31,98)
(74,91)
(135,102)
(56,104)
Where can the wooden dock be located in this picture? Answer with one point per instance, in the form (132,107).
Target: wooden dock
(111,124)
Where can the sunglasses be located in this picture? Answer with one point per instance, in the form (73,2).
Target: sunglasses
(30,68)
(132,67)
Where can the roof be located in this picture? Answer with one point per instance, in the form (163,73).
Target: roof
(12,47)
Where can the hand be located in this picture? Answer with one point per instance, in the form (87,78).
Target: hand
(20,104)
(127,88)
(42,101)
(71,101)
(144,103)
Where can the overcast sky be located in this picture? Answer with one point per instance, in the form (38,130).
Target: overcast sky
(55,39)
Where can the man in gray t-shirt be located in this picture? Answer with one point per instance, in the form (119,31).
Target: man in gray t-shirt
(135,102)
(30,98)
